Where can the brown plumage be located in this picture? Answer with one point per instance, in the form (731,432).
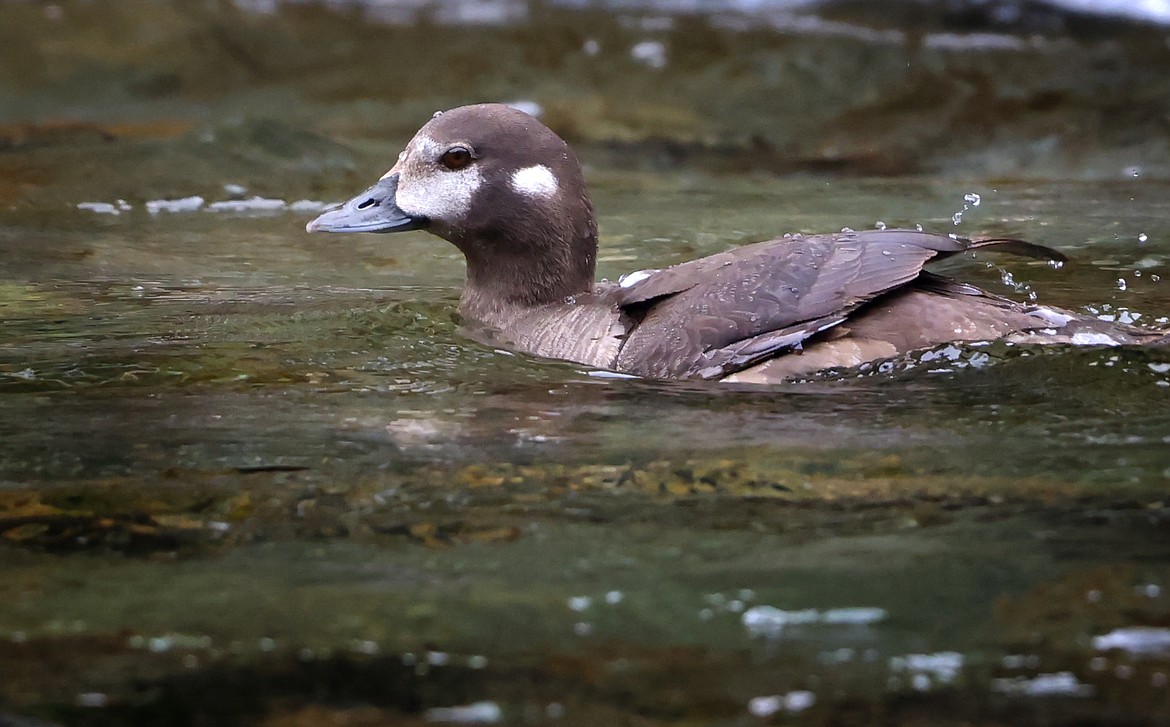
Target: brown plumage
(760,313)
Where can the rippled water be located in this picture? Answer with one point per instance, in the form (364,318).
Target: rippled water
(251,475)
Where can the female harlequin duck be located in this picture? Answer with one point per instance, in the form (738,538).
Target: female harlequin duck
(509,193)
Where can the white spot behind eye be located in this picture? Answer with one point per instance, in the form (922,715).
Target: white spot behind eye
(534,181)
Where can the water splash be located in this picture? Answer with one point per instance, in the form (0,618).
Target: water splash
(971,199)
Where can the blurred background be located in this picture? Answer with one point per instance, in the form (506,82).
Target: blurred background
(1052,88)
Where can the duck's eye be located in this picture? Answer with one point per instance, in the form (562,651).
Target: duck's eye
(456,158)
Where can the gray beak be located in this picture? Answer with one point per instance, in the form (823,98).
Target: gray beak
(374,210)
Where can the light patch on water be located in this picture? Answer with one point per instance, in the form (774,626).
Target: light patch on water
(1019,661)
(477,661)
(308,205)
(167,642)
(1060,684)
(102,208)
(1142,640)
(528,106)
(184,204)
(485,712)
(928,670)
(650,53)
(792,703)
(769,621)
(364,646)
(252,205)
(92,699)
(1150,590)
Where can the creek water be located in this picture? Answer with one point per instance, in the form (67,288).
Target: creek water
(250,475)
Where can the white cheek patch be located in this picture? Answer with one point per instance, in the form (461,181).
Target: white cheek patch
(534,181)
(425,190)
(438,195)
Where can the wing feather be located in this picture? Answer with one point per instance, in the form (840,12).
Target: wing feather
(719,314)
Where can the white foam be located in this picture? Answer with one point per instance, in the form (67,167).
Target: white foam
(771,621)
(254,204)
(185,204)
(942,666)
(485,712)
(1060,684)
(102,208)
(649,52)
(1135,640)
(308,205)
(791,702)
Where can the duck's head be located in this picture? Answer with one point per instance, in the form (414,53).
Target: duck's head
(499,185)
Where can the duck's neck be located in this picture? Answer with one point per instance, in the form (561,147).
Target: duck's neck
(545,265)
(502,286)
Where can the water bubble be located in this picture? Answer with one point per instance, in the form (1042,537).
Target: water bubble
(957,218)
(918,227)
(880,225)
(1121,284)
(973,199)
(1142,237)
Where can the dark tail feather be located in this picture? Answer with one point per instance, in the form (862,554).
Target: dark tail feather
(1019,247)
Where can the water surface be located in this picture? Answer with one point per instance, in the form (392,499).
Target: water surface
(254,476)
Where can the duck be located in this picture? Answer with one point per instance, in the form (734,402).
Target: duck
(509,193)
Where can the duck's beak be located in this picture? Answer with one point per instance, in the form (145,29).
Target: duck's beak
(374,210)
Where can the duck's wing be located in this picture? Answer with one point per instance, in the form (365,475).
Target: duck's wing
(722,313)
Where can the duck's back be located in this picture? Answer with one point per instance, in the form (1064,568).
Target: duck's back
(721,314)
